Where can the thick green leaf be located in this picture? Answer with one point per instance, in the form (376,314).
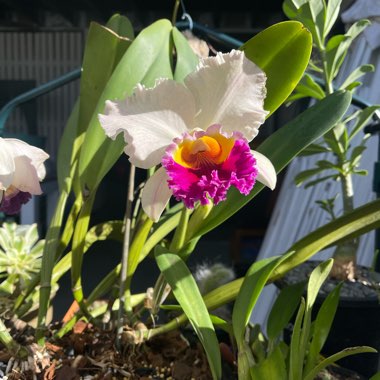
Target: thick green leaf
(322,326)
(361,220)
(282,51)
(147,58)
(273,367)
(253,284)
(121,25)
(65,151)
(283,309)
(186,60)
(348,226)
(188,296)
(281,147)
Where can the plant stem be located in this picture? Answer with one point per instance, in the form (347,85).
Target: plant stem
(124,263)
(12,346)
(78,247)
(48,260)
(175,11)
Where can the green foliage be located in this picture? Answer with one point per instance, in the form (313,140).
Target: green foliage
(20,255)
(302,360)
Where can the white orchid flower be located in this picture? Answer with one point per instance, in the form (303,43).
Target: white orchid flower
(21,170)
(199,131)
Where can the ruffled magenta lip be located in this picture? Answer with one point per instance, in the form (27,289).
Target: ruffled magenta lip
(211,182)
(11,205)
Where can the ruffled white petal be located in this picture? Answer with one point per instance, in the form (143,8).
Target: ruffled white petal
(229,90)
(150,119)
(7,165)
(29,166)
(266,171)
(156,194)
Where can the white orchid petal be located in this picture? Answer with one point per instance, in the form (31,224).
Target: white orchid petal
(150,119)
(156,194)
(229,90)
(7,165)
(29,165)
(266,171)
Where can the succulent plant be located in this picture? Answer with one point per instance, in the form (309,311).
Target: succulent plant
(20,255)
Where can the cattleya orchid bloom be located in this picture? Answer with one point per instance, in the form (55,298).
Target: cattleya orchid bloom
(198,131)
(21,170)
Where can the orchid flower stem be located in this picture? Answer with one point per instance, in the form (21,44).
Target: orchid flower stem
(48,260)
(124,294)
(78,249)
(175,11)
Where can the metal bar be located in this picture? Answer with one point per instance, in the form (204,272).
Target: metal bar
(34,93)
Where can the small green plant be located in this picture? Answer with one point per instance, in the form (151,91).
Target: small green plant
(272,358)
(329,53)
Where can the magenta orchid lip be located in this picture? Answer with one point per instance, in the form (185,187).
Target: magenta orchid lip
(210,179)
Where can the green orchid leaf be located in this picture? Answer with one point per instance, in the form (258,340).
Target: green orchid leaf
(334,358)
(295,354)
(148,58)
(121,25)
(273,367)
(363,219)
(253,284)
(283,309)
(322,326)
(317,278)
(187,60)
(282,51)
(281,147)
(65,157)
(188,296)
(312,13)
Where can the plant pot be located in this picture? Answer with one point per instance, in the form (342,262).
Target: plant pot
(356,321)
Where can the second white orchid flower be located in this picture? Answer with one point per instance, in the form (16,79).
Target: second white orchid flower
(21,170)
(198,131)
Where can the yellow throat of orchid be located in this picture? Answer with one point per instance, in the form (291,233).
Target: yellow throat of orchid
(203,151)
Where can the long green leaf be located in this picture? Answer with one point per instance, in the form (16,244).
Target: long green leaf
(186,60)
(281,147)
(148,58)
(282,51)
(322,326)
(253,284)
(188,296)
(340,355)
(317,278)
(363,219)
(283,309)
